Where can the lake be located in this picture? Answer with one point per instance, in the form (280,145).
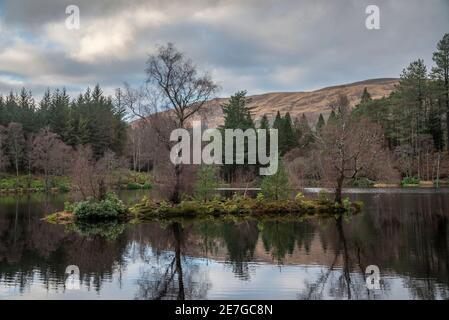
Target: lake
(403,232)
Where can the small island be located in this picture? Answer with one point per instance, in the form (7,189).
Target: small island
(112,208)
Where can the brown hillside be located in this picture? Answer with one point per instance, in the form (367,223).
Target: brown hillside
(311,103)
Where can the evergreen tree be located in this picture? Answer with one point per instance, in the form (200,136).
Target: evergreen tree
(366,96)
(288,135)
(43,113)
(206,183)
(441,73)
(277,186)
(2,111)
(237,115)
(410,113)
(264,123)
(320,123)
(332,117)
(306,132)
(58,114)
(277,124)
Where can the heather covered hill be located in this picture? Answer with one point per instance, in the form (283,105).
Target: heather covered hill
(311,103)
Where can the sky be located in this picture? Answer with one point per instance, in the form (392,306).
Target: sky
(254,45)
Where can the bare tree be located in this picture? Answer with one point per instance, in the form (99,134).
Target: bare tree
(92,177)
(16,144)
(348,148)
(139,148)
(173,94)
(49,154)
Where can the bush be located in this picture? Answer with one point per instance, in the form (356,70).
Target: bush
(109,208)
(147,186)
(206,183)
(362,183)
(277,186)
(299,197)
(410,180)
(322,195)
(133,186)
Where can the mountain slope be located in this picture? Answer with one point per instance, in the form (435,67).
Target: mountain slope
(311,103)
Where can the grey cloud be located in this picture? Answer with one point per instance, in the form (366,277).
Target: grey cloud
(262,45)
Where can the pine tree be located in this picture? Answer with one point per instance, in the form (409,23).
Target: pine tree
(441,73)
(277,124)
(44,109)
(306,132)
(237,115)
(2,111)
(264,123)
(332,117)
(366,96)
(26,110)
(288,135)
(411,107)
(320,123)
(58,114)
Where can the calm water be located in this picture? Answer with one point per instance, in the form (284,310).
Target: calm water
(405,234)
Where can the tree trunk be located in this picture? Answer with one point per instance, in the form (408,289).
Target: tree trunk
(338,189)
(101,190)
(17,165)
(176,196)
(447,111)
(438,171)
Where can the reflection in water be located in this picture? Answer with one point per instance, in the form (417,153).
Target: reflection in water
(406,235)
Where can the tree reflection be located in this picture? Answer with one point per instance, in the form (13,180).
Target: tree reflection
(240,239)
(342,282)
(407,236)
(172,277)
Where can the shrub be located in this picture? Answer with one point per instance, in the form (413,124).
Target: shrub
(140,177)
(362,183)
(299,197)
(69,207)
(133,186)
(109,208)
(147,185)
(64,188)
(206,183)
(410,180)
(260,197)
(277,186)
(322,195)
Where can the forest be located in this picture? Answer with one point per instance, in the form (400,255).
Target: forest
(92,138)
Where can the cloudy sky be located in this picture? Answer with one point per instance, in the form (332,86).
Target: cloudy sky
(257,45)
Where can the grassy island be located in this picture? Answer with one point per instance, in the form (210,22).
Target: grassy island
(238,206)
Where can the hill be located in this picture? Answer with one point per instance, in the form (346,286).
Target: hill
(310,103)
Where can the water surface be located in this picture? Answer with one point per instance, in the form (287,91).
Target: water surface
(404,233)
